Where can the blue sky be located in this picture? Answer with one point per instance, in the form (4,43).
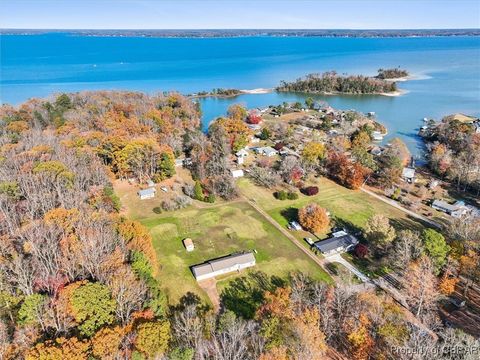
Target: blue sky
(228,14)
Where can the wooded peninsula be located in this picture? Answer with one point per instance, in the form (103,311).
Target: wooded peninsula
(331,83)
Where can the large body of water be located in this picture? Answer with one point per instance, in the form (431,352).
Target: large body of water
(448,69)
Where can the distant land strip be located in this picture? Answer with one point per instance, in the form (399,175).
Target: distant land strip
(225,33)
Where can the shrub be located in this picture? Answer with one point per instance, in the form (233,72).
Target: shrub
(177,203)
(292,196)
(198,191)
(361,251)
(396,194)
(188,190)
(281,195)
(210,198)
(157,210)
(310,190)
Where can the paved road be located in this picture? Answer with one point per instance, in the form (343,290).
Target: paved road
(399,207)
(339,259)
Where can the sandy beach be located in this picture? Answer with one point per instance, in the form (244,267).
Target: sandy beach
(257,91)
(399,92)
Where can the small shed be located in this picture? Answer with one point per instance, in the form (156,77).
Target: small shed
(188,243)
(147,193)
(150,183)
(237,173)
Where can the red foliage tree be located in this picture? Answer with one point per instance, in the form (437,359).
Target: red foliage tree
(361,251)
(253,118)
(310,190)
(346,172)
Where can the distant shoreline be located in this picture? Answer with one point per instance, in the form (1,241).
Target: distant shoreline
(232,33)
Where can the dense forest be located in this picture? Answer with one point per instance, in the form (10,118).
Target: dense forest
(453,151)
(332,83)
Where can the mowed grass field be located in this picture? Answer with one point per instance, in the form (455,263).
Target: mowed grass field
(216,230)
(347,207)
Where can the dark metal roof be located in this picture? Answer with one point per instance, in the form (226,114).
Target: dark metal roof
(336,243)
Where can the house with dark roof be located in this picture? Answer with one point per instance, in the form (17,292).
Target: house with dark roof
(456,210)
(340,242)
(223,265)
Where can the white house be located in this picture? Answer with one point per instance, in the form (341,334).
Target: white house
(408,174)
(476,125)
(241,153)
(147,193)
(224,265)
(267,151)
(237,173)
(377,136)
(188,243)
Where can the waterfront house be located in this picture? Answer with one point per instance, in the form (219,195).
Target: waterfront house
(377,136)
(147,193)
(408,174)
(223,265)
(476,126)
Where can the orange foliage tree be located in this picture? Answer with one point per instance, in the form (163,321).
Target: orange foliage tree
(314,218)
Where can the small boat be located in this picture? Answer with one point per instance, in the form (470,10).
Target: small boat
(371,113)
(425,119)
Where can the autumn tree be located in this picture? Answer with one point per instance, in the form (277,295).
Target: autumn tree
(237,112)
(237,132)
(152,338)
(407,246)
(314,218)
(313,152)
(360,340)
(470,268)
(106,343)
(92,307)
(379,231)
(420,284)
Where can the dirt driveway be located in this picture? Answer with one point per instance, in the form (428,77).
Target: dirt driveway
(210,287)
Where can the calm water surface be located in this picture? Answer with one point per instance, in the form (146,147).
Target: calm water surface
(448,69)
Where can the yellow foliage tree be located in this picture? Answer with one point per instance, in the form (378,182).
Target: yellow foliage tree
(106,343)
(60,349)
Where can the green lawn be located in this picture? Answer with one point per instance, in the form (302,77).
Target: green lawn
(217,231)
(347,207)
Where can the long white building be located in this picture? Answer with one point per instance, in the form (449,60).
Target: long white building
(224,265)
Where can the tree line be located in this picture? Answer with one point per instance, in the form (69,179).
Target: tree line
(330,83)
